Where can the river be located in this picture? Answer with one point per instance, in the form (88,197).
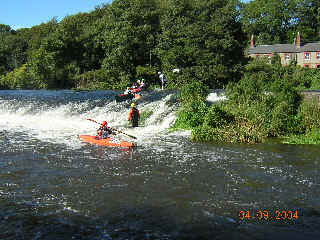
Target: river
(54,186)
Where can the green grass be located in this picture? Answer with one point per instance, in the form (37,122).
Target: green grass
(312,137)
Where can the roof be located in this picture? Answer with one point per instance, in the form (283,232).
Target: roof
(310,47)
(284,48)
(276,48)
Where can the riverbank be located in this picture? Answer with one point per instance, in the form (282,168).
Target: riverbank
(265,103)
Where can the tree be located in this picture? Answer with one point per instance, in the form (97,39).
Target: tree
(278,21)
(5,32)
(269,20)
(204,38)
(307,19)
(130,29)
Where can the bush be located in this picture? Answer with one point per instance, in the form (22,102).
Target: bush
(205,133)
(283,122)
(191,115)
(312,137)
(306,78)
(240,131)
(19,78)
(309,113)
(266,97)
(193,91)
(264,103)
(217,117)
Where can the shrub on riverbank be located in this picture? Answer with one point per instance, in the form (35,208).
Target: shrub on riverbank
(191,115)
(312,137)
(264,103)
(194,107)
(19,78)
(193,91)
(309,115)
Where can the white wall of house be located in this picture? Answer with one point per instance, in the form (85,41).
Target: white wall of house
(309,59)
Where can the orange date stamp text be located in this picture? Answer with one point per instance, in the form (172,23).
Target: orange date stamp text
(277,215)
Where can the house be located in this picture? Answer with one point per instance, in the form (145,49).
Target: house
(306,55)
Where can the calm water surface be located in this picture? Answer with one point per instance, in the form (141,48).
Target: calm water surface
(53,186)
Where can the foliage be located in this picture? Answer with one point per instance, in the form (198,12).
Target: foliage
(217,117)
(268,95)
(134,39)
(264,103)
(90,79)
(20,78)
(309,112)
(148,73)
(269,20)
(278,21)
(42,68)
(204,38)
(306,78)
(191,115)
(194,91)
(98,79)
(312,137)
(128,38)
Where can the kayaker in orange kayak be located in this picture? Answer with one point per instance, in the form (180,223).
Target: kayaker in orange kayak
(134,115)
(104,131)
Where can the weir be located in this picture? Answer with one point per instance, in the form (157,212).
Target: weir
(62,120)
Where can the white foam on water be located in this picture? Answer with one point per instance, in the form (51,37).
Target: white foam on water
(63,124)
(216,96)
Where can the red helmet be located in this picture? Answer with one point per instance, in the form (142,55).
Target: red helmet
(104,124)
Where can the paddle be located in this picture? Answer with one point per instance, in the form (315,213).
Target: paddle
(113,129)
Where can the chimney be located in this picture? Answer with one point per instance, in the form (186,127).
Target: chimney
(298,40)
(252,42)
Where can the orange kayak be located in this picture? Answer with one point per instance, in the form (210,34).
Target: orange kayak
(106,142)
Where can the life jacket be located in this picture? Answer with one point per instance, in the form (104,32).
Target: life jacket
(134,114)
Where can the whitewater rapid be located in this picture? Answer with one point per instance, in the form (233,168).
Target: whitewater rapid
(64,122)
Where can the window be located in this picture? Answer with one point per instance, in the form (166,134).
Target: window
(287,56)
(318,66)
(307,56)
(306,65)
(318,55)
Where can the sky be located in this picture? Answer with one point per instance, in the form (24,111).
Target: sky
(28,13)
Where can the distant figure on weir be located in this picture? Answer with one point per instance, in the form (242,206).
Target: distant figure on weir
(141,83)
(134,115)
(128,91)
(163,79)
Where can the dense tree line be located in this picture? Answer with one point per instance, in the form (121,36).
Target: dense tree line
(278,21)
(116,43)
(119,42)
